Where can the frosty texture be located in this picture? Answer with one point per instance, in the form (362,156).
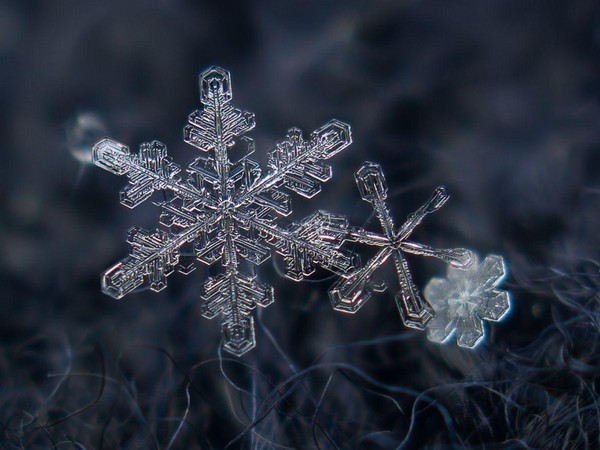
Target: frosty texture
(464,299)
(230,212)
(353,290)
(226,211)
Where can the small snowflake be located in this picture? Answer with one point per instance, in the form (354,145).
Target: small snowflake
(353,290)
(465,298)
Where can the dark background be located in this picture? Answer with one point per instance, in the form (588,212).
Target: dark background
(498,100)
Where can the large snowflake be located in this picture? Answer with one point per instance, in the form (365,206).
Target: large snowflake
(226,211)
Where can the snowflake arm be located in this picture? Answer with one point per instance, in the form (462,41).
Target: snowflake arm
(301,247)
(153,257)
(148,171)
(297,164)
(149,263)
(465,298)
(351,292)
(217,125)
(233,295)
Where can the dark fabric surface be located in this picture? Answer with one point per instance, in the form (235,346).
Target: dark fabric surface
(497,100)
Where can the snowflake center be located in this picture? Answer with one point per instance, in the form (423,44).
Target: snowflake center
(464,303)
(227,207)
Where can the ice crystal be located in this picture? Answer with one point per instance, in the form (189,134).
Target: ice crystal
(231,212)
(465,298)
(225,211)
(353,290)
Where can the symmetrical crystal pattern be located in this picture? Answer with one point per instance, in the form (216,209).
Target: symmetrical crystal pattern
(353,290)
(219,210)
(465,298)
(226,211)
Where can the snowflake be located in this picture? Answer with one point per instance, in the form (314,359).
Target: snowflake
(233,213)
(465,298)
(353,290)
(226,211)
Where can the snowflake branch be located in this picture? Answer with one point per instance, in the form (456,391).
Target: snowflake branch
(147,172)
(461,258)
(300,247)
(294,163)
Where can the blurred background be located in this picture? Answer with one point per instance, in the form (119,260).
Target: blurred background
(497,100)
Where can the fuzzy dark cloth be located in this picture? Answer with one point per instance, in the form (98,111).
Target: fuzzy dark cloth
(497,100)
